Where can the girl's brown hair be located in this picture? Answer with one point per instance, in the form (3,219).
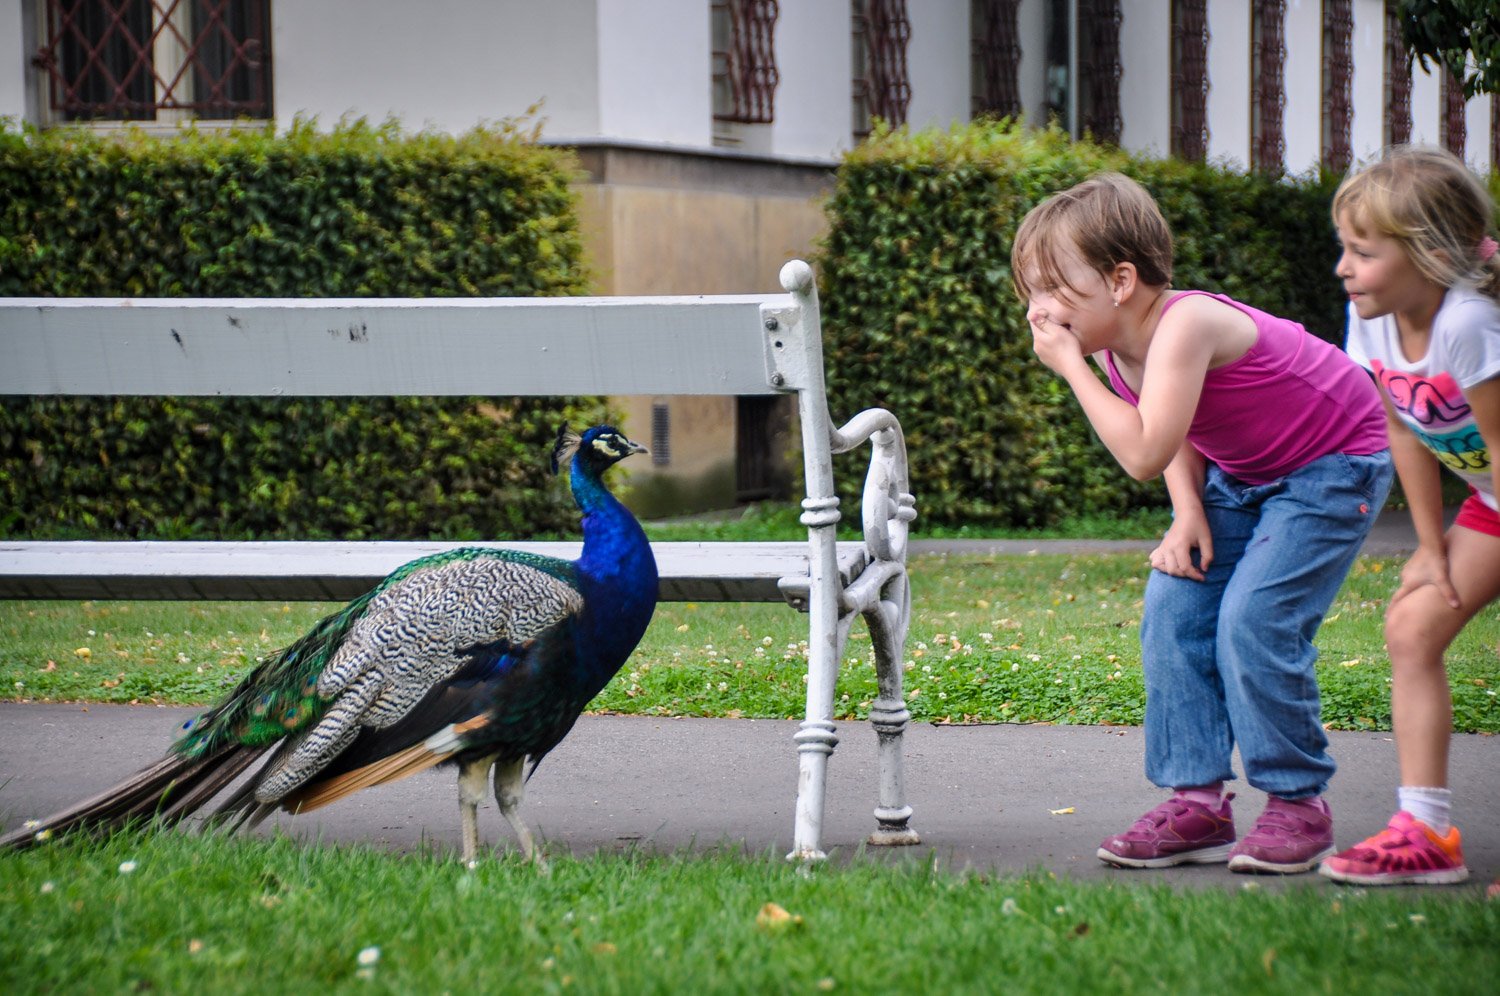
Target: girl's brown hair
(1107,219)
(1434,206)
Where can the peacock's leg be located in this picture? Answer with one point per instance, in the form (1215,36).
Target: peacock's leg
(471,779)
(510,790)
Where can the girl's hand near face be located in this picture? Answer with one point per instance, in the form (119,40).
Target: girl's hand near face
(1057,347)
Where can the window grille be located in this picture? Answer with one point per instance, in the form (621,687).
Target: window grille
(1338,76)
(882,88)
(1397,80)
(996,58)
(1495,132)
(661,434)
(1099,69)
(1454,128)
(1267,84)
(744,59)
(1190,86)
(156,60)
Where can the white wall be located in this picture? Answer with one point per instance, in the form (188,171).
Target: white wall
(1302,75)
(814,105)
(1477,151)
(1229,82)
(441,64)
(1146,77)
(937,61)
(655,70)
(1367,130)
(1426,105)
(13,62)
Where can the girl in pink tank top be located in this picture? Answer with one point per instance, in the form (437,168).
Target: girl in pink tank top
(1272,445)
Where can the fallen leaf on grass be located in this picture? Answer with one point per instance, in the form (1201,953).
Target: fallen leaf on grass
(772,917)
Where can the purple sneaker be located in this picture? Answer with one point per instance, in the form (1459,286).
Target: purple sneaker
(1178,832)
(1291,836)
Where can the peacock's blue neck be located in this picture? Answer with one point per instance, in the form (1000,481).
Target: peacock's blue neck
(616,569)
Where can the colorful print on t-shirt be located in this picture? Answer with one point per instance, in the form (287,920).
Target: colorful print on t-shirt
(1436,411)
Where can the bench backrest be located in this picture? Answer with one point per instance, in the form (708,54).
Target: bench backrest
(739,345)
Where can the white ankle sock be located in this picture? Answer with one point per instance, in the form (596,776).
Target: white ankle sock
(1430,805)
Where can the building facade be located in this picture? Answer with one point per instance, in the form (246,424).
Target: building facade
(710,128)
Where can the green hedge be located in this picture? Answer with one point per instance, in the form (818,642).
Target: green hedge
(358,212)
(920,315)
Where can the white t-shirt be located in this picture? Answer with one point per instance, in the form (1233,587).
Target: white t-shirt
(1429,393)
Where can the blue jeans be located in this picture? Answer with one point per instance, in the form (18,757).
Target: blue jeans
(1230,659)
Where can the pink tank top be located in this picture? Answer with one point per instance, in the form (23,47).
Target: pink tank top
(1288,401)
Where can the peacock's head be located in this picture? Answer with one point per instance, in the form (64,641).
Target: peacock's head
(599,447)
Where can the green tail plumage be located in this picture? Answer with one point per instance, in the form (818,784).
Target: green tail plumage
(279,697)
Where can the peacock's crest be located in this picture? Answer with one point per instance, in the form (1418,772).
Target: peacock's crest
(564,447)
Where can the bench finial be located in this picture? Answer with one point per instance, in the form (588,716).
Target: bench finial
(796,276)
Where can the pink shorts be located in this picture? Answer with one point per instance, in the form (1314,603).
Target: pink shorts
(1476,515)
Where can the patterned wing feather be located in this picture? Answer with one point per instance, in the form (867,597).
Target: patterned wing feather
(413,637)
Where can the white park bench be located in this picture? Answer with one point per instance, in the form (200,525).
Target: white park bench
(721,345)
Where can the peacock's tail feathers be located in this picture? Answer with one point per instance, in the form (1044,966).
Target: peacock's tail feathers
(169,790)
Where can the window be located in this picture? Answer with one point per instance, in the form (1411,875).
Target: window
(1453,128)
(744,60)
(996,59)
(1397,80)
(1190,79)
(1338,75)
(1098,40)
(156,60)
(1267,84)
(1082,67)
(881,87)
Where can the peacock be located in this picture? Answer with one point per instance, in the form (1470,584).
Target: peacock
(480,657)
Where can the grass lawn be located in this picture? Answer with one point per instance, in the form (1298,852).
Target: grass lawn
(169,913)
(1045,638)
(1040,638)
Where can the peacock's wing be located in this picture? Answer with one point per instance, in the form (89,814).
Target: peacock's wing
(512,700)
(425,638)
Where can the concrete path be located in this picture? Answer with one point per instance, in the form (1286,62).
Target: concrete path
(985,797)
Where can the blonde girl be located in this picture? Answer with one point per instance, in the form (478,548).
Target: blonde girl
(1420,269)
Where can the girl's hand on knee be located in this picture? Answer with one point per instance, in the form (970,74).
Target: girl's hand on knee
(1427,567)
(1174,555)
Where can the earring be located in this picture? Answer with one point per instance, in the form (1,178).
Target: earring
(1117,304)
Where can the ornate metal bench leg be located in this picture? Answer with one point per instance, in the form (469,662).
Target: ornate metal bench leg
(889,716)
(815,742)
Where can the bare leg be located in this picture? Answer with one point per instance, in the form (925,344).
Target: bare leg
(510,790)
(471,778)
(1418,631)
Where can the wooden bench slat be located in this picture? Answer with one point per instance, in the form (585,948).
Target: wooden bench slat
(335,571)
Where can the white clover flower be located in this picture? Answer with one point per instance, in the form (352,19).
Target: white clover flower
(127,867)
(368,957)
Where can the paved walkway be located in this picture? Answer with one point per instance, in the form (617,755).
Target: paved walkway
(1005,798)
